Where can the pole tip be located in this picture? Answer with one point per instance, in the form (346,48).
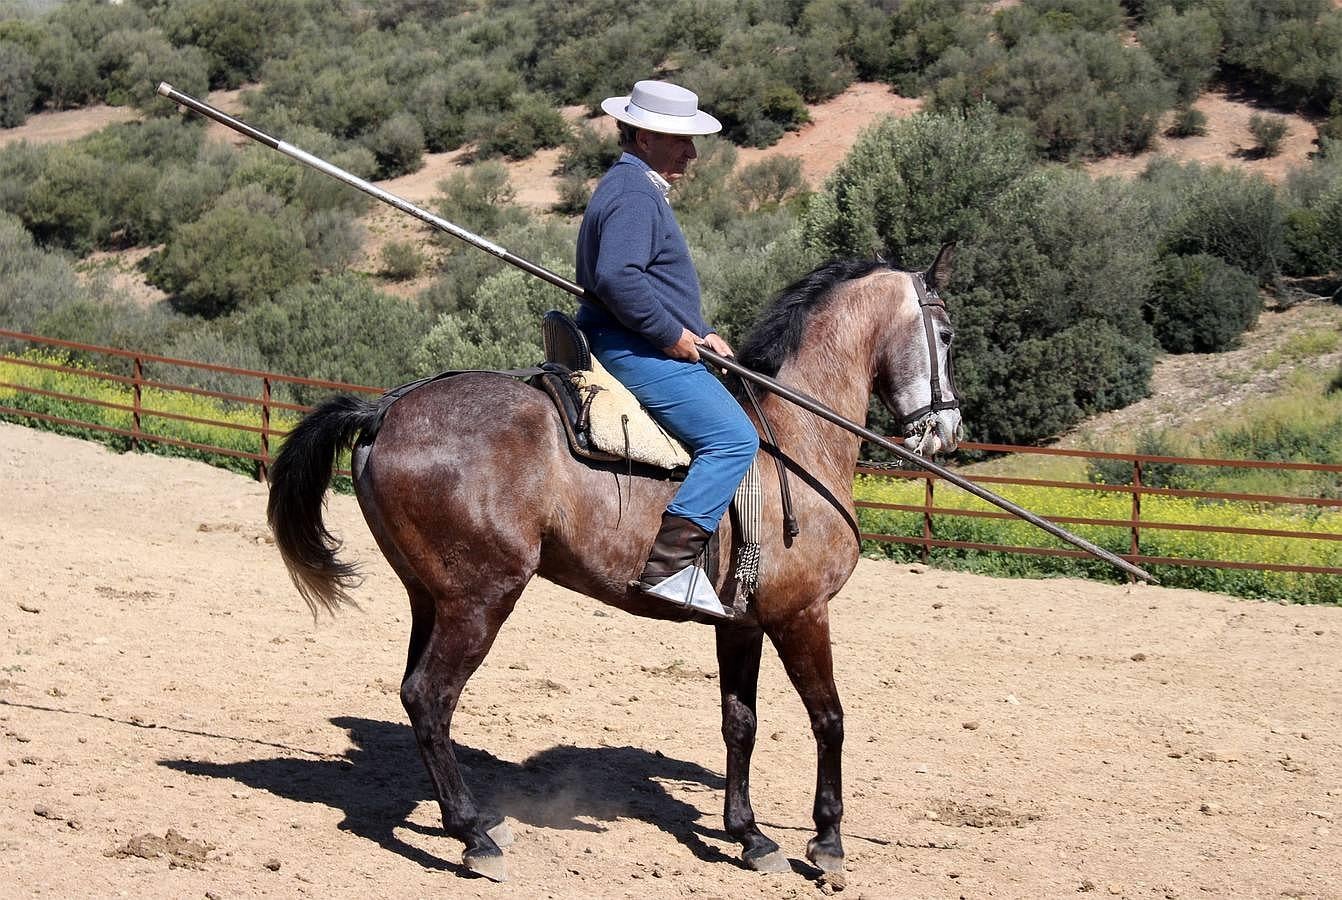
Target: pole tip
(164,88)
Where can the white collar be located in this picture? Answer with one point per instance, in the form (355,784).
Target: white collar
(660,183)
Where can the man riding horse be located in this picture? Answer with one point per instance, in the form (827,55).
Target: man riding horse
(648,323)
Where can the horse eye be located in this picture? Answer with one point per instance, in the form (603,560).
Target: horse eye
(947,337)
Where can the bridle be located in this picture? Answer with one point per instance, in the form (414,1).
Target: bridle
(929,299)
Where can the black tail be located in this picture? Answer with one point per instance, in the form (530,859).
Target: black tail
(298,481)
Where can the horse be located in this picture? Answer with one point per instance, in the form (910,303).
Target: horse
(470,489)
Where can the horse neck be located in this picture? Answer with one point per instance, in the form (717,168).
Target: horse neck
(836,365)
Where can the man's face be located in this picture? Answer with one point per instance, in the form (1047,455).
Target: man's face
(666,154)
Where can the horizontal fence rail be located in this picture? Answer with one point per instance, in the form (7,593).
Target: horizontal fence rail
(246,416)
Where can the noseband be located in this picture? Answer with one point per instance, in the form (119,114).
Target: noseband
(928,299)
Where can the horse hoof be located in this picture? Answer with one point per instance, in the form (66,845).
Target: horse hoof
(829,863)
(490,865)
(501,834)
(775,862)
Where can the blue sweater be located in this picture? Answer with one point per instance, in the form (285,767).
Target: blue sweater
(632,254)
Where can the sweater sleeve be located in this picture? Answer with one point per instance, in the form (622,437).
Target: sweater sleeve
(629,238)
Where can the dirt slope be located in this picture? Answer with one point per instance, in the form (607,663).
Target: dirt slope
(172,724)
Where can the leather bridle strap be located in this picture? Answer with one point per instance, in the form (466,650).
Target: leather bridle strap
(927,301)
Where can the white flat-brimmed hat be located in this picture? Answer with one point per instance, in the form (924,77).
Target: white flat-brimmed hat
(664,107)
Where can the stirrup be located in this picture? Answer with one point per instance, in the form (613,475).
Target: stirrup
(690,588)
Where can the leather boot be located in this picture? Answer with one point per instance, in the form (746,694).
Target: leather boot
(677,545)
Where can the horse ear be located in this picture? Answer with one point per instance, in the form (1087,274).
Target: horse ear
(938,274)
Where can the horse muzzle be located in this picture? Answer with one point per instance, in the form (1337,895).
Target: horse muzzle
(936,432)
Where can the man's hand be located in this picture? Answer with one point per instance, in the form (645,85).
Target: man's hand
(713,341)
(687,348)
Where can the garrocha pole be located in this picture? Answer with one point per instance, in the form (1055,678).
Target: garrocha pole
(807,403)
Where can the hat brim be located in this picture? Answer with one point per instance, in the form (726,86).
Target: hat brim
(699,124)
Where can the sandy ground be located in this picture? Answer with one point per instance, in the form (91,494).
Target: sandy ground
(1228,142)
(172,724)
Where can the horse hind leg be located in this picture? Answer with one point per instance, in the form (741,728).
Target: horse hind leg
(739,667)
(450,636)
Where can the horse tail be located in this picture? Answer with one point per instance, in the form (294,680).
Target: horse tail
(299,478)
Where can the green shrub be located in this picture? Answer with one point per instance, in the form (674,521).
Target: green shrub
(401,260)
(769,181)
(334,239)
(337,329)
(1148,443)
(1331,129)
(64,73)
(587,153)
(18,93)
(64,206)
(1186,46)
(754,108)
(574,195)
(237,36)
(479,199)
(501,329)
(33,282)
(1237,217)
(1200,304)
(1269,132)
(1051,269)
(1083,93)
(1292,51)
(1188,122)
(245,250)
(531,124)
(398,146)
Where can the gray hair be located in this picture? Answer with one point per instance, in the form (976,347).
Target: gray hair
(625,133)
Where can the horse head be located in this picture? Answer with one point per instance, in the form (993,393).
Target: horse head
(914,374)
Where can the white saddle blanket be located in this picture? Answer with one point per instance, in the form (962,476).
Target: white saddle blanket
(618,424)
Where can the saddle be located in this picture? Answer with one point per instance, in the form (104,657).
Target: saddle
(603,420)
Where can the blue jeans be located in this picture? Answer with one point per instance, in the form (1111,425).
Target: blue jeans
(689,402)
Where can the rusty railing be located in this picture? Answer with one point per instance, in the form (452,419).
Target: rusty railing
(267,439)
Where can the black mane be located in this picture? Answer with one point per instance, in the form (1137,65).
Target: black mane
(777,334)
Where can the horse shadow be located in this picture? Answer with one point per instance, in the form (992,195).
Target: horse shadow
(378,783)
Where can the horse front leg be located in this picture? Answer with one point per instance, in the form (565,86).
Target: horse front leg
(738,676)
(803,645)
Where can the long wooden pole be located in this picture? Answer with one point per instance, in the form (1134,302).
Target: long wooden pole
(807,403)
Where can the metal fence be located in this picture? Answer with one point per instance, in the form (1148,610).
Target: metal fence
(261,438)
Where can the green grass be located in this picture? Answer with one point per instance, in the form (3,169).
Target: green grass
(1296,587)
(1301,347)
(93,388)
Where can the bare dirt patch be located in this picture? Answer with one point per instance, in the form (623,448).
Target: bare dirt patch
(67,124)
(161,678)
(1227,142)
(121,270)
(834,129)
(71,124)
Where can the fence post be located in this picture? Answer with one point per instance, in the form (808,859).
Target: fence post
(263,467)
(1135,545)
(137,376)
(927,519)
